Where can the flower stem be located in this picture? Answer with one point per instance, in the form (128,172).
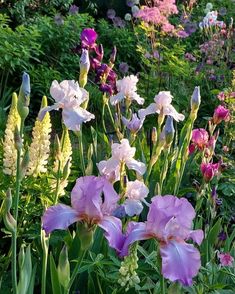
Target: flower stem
(162,282)
(75,271)
(15,214)
(81,154)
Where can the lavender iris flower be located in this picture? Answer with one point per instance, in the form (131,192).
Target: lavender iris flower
(169,221)
(87,205)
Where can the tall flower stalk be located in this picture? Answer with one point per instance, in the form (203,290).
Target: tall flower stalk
(23,110)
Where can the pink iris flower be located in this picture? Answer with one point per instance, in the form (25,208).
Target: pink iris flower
(221,114)
(199,139)
(88,38)
(226,259)
(69,96)
(169,221)
(87,204)
(209,170)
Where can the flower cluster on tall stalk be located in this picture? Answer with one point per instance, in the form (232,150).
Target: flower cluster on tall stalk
(9,148)
(39,149)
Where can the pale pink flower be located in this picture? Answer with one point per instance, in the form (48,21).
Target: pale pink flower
(127,90)
(121,153)
(226,259)
(134,124)
(69,96)
(135,193)
(162,105)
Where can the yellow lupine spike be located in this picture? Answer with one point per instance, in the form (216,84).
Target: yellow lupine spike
(9,149)
(39,149)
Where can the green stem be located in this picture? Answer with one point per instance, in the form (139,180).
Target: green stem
(81,154)
(75,271)
(155,154)
(103,121)
(44,270)
(164,169)
(15,214)
(162,282)
(14,258)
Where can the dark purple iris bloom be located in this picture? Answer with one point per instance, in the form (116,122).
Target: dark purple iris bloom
(96,61)
(107,77)
(88,38)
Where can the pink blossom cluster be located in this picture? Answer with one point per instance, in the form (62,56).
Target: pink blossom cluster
(158,14)
(223,96)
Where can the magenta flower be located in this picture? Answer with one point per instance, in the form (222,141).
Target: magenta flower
(209,170)
(88,38)
(200,138)
(221,114)
(226,259)
(169,221)
(92,199)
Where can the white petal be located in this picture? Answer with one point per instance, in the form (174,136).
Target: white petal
(138,166)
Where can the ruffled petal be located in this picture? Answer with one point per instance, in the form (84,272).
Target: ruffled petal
(180,262)
(135,232)
(110,197)
(197,236)
(137,98)
(170,110)
(44,110)
(133,207)
(86,198)
(138,166)
(116,98)
(113,232)
(74,117)
(152,108)
(58,217)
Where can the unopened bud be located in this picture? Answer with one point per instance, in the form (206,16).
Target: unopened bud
(196,99)
(113,55)
(24,97)
(10,222)
(57,147)
(66,170)
(24,164)
(154,135)
(84,68)
(17,139)
(64,268)
(169,130)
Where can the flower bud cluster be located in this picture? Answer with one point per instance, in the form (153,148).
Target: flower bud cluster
(128,276)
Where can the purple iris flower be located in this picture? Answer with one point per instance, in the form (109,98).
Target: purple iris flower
(87,204)
(169,221)
(88,38)
(134,124)
(123,67)
(104,72)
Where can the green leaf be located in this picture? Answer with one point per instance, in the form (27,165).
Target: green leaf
(56,289)
(213,234)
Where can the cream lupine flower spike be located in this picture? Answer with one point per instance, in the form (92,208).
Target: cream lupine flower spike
(65,157)
(39,149)
(9,149)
